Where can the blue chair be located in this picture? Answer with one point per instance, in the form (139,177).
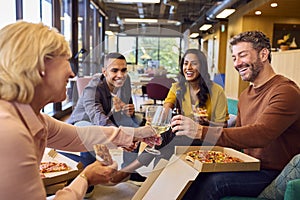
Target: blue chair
(220,79)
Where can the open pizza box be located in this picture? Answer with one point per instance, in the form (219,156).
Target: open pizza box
(55,179)
(177,175)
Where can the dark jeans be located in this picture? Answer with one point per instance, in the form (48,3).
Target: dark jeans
(214,186)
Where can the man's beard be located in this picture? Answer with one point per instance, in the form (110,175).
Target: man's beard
(254,68)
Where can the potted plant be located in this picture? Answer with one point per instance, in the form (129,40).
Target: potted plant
(283,43)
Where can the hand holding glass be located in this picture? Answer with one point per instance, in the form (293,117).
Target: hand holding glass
(160,119)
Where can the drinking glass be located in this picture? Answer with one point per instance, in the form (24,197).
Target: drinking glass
(160,119)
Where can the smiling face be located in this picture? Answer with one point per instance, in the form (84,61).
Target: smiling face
(246,61)
(115,72)
(191,66)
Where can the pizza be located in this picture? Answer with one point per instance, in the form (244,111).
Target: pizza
(46,167)
(118,104)
(211,157)
(200,112)
(102,154)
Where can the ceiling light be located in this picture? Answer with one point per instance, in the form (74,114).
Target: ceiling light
(194,35)
(205,27)
(274,5)
(258,12)
(177,23)
(138,20)
(113,25)
(225,13)
(136,1)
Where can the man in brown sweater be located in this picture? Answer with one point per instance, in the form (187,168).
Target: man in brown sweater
(267,125)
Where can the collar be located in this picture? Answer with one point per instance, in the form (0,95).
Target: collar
(260,85)
(30,119)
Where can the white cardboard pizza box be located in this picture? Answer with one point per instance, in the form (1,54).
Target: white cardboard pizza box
(59,177)
(178,174)
(249,163)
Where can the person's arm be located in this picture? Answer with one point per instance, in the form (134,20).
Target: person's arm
(170,100)
(276,118)
(71,138)
(91,99)
(129,108)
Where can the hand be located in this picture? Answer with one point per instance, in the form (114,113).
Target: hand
(118,104)
(132,147)
(202,120)
(201,116)
(148,135)
(182,125)
(97,173)
(153,140)
(128,109)
(120,176)
(143,132)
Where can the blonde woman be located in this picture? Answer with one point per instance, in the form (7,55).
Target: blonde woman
(34,71)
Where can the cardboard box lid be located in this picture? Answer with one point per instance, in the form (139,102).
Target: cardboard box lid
(58,177)
(169,182)
(150,179)
(249,164)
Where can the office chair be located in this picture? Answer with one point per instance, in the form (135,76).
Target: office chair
(82,82)
(158,89)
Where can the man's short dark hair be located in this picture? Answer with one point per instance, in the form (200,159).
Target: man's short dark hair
(258,40)
(113,55)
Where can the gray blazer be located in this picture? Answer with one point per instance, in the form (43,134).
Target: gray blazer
(95,104)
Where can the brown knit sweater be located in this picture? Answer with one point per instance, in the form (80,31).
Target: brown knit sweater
(268,123)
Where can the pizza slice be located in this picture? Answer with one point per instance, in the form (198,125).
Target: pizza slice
(47,167)
(102,154)
(118,104)
(200,112)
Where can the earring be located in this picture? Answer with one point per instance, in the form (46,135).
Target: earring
(42,73)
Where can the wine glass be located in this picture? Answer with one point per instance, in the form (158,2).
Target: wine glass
(160,119)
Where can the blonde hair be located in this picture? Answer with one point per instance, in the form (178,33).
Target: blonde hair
(24,47)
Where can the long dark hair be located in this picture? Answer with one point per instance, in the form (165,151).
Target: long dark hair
(204,77)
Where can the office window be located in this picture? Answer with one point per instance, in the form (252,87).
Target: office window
(148,49)
(169,51)
(127,47)
(65,29)
(95,52)
(8,12)
(46,12)
(31,13)
(154,52)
